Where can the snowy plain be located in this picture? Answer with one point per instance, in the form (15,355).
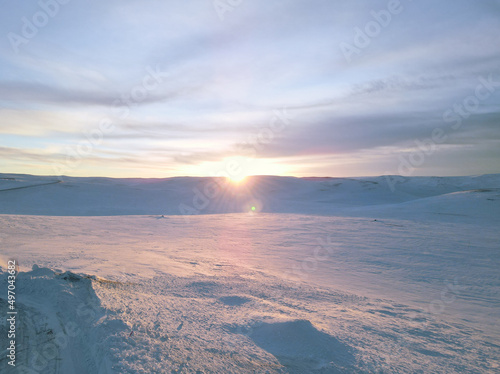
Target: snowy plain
(272,275)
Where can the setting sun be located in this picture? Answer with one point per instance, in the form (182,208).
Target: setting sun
(236,179)
(237,168)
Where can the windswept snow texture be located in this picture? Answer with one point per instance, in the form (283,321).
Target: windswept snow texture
(324,275)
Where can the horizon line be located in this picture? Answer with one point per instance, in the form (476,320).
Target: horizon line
(252,176)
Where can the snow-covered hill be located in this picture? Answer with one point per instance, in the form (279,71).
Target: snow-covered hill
(434,197)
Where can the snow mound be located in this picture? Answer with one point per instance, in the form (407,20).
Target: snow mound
(300,347)
(234,300)
(62,327)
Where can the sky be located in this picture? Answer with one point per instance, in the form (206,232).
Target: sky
(341,88)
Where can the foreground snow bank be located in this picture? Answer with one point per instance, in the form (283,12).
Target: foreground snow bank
(240,321)
(61,326)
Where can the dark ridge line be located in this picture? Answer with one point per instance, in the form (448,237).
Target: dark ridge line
(33,185)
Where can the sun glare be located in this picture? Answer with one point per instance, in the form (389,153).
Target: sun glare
(237,169)
(237,179)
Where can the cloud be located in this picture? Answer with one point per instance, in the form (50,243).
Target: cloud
(24,93)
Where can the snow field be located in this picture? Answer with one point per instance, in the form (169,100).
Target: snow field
(326,275)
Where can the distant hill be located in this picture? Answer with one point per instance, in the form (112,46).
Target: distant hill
(442,198)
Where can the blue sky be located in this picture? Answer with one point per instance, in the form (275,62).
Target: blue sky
(305,88)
